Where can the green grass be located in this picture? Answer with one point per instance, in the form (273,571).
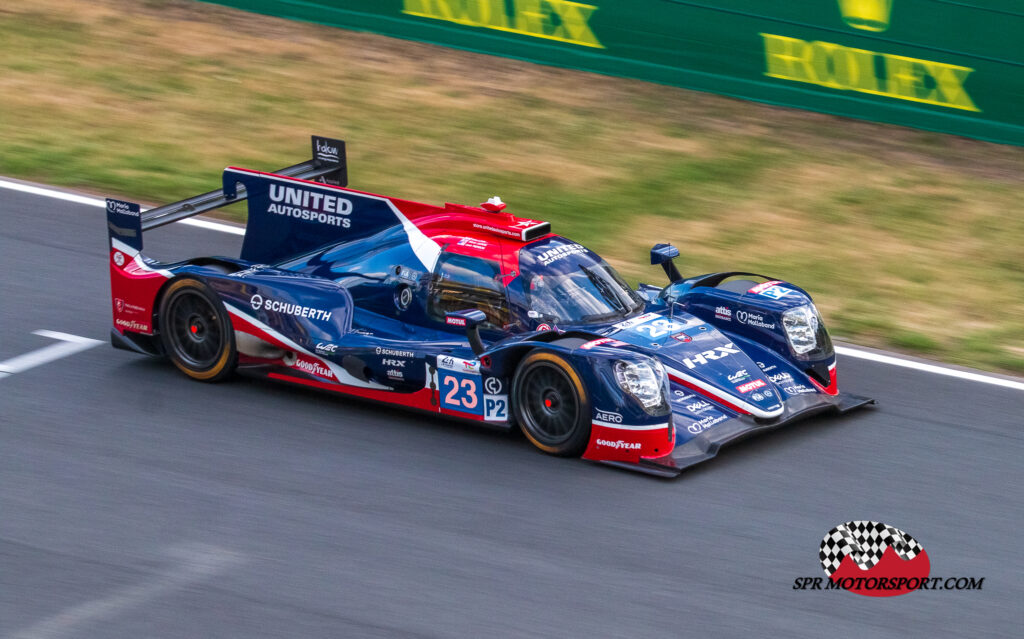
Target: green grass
(907,239)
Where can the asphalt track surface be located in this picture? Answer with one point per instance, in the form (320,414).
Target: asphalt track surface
(137,503)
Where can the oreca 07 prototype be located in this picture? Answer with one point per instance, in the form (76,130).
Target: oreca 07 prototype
(473,313)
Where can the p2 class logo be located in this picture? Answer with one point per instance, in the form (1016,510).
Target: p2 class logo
(859,555)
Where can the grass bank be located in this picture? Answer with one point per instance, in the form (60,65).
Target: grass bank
(908,240)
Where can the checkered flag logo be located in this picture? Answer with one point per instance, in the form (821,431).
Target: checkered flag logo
(866,541)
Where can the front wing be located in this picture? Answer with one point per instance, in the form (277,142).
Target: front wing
(707,444)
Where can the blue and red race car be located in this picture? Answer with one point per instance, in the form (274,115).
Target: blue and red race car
(473,313)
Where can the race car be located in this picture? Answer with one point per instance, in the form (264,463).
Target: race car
(472,313)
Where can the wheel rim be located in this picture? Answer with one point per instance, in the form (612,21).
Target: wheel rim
(195,330)
(549,404)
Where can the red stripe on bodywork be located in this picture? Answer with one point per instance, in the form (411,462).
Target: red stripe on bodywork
(833,385)
(709,395)
(420,399)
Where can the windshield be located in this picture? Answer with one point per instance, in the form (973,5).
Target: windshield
(561,281)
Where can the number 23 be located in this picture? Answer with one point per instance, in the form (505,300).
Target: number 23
(469,392)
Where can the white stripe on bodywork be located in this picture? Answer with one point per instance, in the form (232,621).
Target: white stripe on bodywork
(340,373)
(598,422)
(136,257)
(735,401)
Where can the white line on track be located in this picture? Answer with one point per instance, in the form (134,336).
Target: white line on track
(69,345)
(95,201)
(198,562)
(845,351)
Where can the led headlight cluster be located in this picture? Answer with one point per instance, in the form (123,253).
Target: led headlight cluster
(801,324)
(643,379)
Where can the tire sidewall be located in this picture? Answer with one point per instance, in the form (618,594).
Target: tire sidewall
(580,437)
(227,360)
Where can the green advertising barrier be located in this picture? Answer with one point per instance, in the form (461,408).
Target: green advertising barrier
(955,66)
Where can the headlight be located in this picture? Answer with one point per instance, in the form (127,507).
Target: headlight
(801,324)
(643,380)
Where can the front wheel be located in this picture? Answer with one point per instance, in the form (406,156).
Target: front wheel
(196,331)
(551,405)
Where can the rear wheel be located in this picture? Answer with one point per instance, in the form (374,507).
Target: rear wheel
(551,404)
(196,331)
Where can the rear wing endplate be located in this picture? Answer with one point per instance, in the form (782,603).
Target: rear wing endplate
(327,165)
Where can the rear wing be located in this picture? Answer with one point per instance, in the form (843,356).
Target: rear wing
(125,222)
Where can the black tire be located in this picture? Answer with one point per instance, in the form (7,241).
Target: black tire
(196,332)
(551,405)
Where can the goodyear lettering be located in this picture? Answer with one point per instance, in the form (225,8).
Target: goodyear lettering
(619,444)
(846,68)
(559,20)
(314,368)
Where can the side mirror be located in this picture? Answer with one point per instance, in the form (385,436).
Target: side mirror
(469,319)
(664,254)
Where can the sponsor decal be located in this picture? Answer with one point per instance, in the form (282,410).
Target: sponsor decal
(310,206)
(559,252)
(396,363)
(492,385)
(127,307)
(876,73)
(766,369)
(132,325)
(798,389)
(124,208)
(119,258)
(455,321)
(698,406)
(495,229)
(716,353)
(559,20)
(723,313)
(751,318)
(682,337)
(698,427)
(749,386)
(496,408)
(739,376)
(395,374)
(471,366)
(313,368)
(780,378)
(682,396)
(543,327)
(618,445)
(394,353)
(603,341)
(607,416)
(635,321)
(473,243)
(286,308)
(323,348)
(327,152)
